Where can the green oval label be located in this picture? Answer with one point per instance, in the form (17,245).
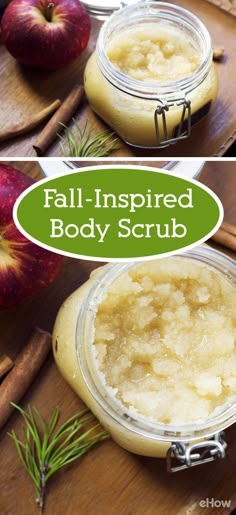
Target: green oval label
(118,213)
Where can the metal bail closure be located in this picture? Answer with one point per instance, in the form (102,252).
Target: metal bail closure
(184,128)
(196,454)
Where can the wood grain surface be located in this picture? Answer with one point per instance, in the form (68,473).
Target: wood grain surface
(24,91)
(108,480)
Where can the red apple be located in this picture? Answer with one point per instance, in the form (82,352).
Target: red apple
(46,34)
(25,268)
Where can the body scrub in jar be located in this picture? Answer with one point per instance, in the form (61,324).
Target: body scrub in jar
(151,77)
(150,348)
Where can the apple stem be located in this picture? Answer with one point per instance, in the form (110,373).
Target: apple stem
(49,11)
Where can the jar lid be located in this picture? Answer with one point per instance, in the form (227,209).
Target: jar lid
(105,8)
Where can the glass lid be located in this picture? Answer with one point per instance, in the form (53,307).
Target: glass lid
(105,8)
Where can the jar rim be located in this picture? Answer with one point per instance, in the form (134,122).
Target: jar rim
(100,9)
(224,415)
(150,89)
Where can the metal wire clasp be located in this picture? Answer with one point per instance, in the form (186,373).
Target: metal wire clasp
(184,128)
(196,454)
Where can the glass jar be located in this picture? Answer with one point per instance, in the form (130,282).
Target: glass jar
(146,113)
(73,336)
(182,168)
(101,9)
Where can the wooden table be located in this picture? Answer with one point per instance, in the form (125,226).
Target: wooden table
(108,480)
(24,91)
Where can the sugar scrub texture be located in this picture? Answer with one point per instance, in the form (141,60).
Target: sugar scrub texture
(165,340)
(154,52)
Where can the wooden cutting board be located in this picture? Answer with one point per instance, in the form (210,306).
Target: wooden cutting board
(108,480)
(24,91)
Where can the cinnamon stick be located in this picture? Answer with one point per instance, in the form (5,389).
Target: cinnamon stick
(6,364)
(218,53)
(29,125)
(225,238)
(62,116)
(27,365)
(226,226)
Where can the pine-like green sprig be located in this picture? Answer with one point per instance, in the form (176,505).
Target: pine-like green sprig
(47,448)
(82,143)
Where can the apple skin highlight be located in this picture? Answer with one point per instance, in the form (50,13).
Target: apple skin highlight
(45,34)
(25,268)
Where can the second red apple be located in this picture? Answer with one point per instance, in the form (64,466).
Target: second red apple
(25,268)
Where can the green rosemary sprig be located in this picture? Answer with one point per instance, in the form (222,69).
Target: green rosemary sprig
(47,448)
(82,143)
